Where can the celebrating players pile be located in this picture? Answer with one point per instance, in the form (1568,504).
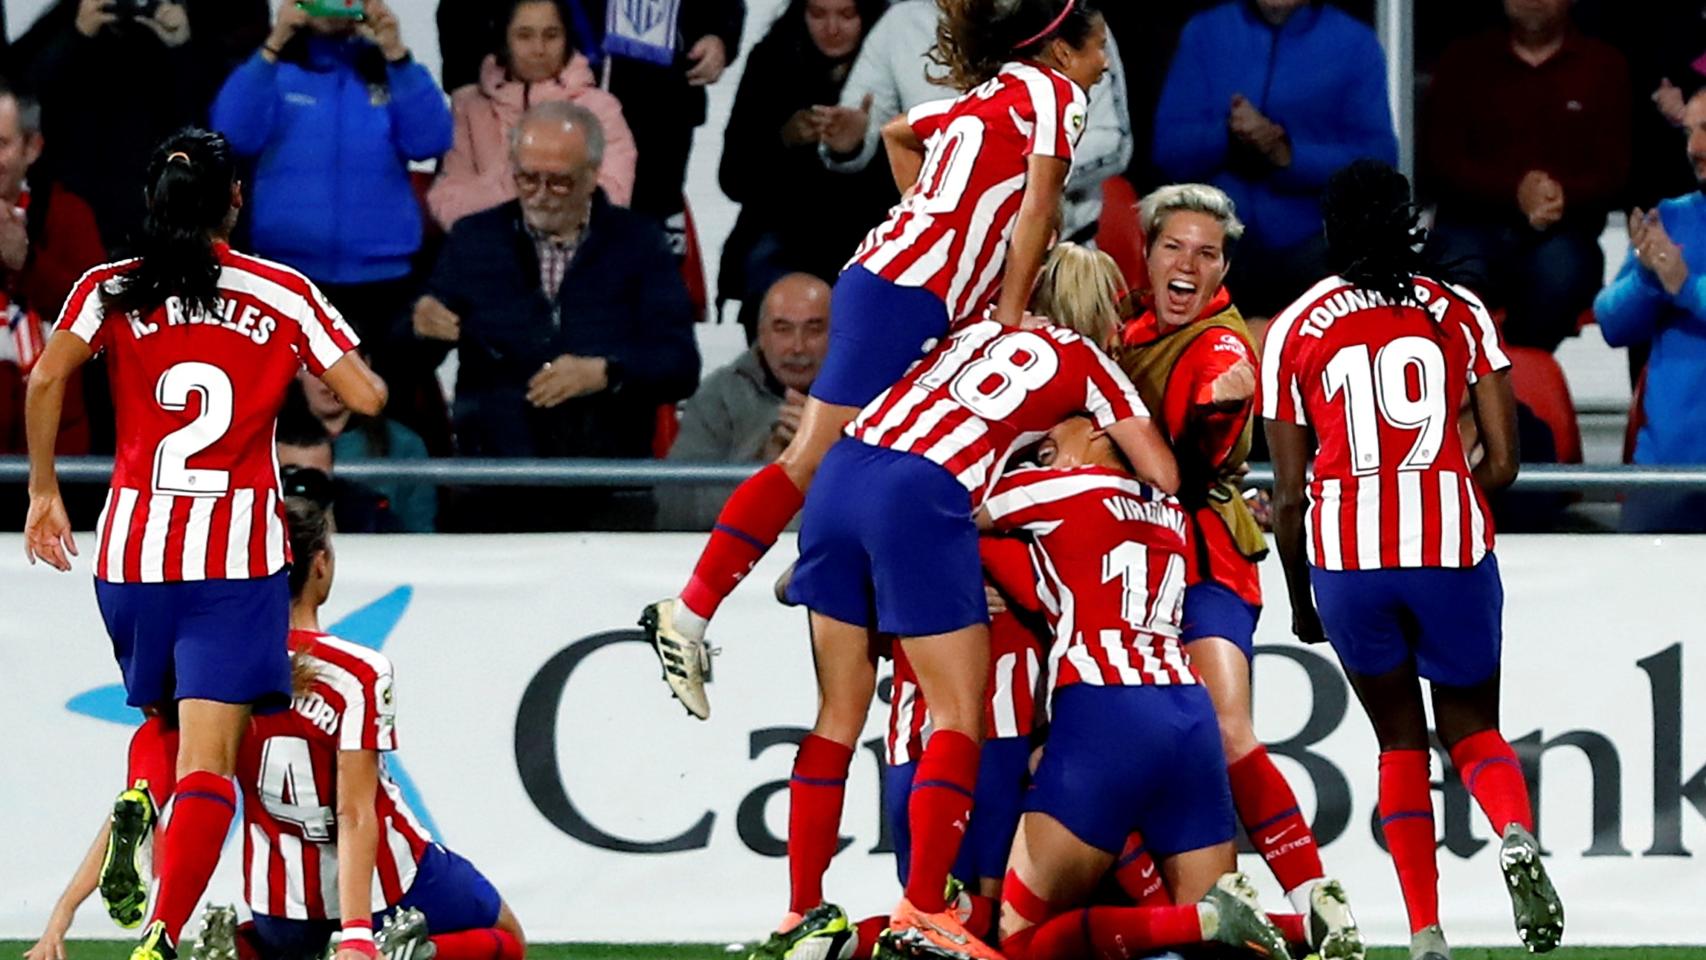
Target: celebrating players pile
(1075,747)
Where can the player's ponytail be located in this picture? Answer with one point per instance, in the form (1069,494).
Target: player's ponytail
(310,527)
(1374,232)
(975,37)
(189,183)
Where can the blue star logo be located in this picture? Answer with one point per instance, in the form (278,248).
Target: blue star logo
(370,626)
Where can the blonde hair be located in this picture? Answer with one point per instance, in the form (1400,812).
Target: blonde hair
(303,673)
(1195,198)
(1081,289)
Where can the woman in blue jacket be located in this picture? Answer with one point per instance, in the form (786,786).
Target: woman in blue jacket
(332,110)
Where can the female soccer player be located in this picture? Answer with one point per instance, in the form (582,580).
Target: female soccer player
(202,343)
(982,177)
(1392,561)
(1133,742)
(1194,363)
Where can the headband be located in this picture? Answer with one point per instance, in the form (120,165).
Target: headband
(178,155)
(1053,25)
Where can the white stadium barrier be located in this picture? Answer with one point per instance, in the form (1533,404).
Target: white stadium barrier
(543,746)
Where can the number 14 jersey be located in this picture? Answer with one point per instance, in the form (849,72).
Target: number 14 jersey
(1381,386)
(195,492)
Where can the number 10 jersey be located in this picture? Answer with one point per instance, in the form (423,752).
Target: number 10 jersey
(195,491)
(1381,386)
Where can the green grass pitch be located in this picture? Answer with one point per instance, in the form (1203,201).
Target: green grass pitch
(119,950)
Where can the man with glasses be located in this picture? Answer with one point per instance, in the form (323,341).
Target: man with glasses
(570,321)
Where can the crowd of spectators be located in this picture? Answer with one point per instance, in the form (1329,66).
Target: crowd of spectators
(524,213)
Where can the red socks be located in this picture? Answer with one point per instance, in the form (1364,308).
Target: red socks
(1137,875)
(751,520)
(865,936)
(1407,817)
(938,811)
(493,944)
(1493,775)
(1292,928)
(1110,933)
(203,804)
(814,817)
(985,911)
(1268,809)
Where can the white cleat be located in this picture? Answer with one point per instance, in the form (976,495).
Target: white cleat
(1332,929)
(686,662)
(1428,943)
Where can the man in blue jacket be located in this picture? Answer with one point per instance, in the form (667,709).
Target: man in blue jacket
(570,320)
(1659,299)
(1266,99)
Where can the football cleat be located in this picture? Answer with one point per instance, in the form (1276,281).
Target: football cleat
(1428,943)
(403,936)
(1333,931)
(1240,921)
(218,940)
(154,945)
(1539,912)
(686,662)
(124,881)
(823,933)
(932,936)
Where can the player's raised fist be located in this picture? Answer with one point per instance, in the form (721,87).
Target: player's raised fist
(1235,385)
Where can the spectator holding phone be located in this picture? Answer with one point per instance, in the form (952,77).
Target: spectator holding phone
(533,60)
(114,77)
(332,108)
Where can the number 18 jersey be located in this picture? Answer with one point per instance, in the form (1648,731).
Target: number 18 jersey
(195,491)
(1381,386)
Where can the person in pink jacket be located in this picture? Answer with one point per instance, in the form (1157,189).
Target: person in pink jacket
(535,62)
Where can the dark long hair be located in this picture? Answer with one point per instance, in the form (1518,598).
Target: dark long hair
(1374,231)
(789,29)
(975,37)
(506,12)
(310,525)
(189,183)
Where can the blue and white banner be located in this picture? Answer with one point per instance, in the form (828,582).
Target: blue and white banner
(536,738)
(642,30)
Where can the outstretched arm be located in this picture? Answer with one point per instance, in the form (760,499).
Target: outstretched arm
(358,835)
(51,946)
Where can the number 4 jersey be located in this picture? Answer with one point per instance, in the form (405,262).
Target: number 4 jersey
(288,773)
(1381,386)
(195,492)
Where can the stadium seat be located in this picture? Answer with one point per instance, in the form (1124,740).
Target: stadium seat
(1637,418)
(1120,232)
(667,429)
(1539,385)
(693,266)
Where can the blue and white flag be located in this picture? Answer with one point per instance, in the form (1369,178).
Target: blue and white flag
(642,30)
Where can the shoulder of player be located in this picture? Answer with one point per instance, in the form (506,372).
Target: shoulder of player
(1216,340)
(1042,88)
(341,662)
(1285,321)
(1048,484)
(96,276)
(241,266)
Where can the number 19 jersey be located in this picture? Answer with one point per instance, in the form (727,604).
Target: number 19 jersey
(195,490)
(1381,386)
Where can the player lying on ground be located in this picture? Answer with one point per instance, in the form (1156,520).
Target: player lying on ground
(201,344)
(310,861)
(982,178)
(1192,360)
(1393,561)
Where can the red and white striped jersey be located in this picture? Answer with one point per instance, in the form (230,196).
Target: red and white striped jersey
(1011,710)
(989,390)
(950,234)
(195,490)
(288,772)
(1381,387)
(1110,554)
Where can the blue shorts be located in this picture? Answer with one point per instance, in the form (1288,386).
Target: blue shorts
(1120,759)
(1216,610)
(876,330)
(1448,621)
(1003,770)
(448,890)
(222,640)
(887,540)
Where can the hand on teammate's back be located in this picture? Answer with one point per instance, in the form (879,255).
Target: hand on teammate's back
(566,378)
(435,321)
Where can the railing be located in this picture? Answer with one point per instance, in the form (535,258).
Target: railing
(1536,478)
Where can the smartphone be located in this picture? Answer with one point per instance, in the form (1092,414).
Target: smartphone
(342,9)
(135,8)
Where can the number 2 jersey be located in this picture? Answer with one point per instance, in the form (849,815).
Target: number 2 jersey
(1381,387)
(989,390)
(288,772)
(950,235)
(195,491)
(1109,554)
